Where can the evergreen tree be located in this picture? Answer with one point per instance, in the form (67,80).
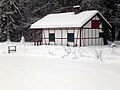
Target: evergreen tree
(32,10)
(10,16)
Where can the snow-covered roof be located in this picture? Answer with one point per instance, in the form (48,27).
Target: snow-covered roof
(76,6)
(64,20)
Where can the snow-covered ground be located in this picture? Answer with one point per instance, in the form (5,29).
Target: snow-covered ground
(59,67)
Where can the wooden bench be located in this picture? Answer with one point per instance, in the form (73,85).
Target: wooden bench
(11,48)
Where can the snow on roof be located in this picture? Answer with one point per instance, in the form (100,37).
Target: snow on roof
(64,20)
(76,6)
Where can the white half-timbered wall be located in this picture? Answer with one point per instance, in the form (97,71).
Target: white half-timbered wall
(88,35)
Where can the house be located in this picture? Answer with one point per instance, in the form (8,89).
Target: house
(82,29)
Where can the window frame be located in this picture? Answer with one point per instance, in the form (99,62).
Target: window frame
(53,39)
(101,34)
(68,37)
(95,24)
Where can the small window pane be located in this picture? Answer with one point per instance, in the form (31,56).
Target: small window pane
(51,37)
(101,34)
(95,24)
(70,37)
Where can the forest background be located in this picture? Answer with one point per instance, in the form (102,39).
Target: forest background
(17,15)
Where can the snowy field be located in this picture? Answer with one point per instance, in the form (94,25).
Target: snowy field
(59,67)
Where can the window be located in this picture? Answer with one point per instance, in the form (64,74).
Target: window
(70,37)
(51,37)
(101,34)
(95,24)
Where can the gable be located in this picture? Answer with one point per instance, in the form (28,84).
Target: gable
(97,21)
(93,23)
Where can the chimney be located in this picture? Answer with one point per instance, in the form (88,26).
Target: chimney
(76,9)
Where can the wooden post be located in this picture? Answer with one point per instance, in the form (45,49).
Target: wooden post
(80,37)
(61,37)
(41,38)
(67,36)
(55,37)
(35,37)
